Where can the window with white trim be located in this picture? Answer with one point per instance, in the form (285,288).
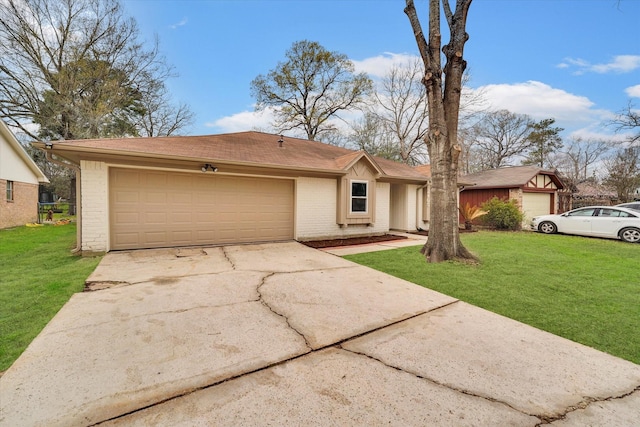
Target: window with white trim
(9,191)
(359,196)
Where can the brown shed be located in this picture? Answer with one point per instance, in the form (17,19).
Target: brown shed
(534,189)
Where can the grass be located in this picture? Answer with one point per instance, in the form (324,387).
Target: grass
(586,290)
(39,274)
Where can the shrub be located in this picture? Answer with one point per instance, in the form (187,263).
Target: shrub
(502,214)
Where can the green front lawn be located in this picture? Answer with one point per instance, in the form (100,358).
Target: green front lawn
(38,274)
(586,290)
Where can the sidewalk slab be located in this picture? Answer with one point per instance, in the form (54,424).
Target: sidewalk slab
(483,354)
(331,387)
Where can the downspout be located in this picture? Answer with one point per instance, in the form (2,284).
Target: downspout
(76,168)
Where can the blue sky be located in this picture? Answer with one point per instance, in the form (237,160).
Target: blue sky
(577,61)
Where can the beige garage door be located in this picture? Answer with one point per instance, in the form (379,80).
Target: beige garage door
(152,209)
(534,204)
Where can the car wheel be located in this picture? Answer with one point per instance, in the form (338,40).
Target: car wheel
(630,235)
(547,227)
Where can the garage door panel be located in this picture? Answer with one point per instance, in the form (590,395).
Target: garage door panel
(534,204)
(160,209)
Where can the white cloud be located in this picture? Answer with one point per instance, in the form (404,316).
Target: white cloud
(244,121)
(379,66)
(633,91)
(619,64)
(182,22)
(539,101)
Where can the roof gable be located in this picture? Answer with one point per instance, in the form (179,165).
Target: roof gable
(15,163)
(510,177)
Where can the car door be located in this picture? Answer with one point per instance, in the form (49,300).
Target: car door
(577,222)
(607,222)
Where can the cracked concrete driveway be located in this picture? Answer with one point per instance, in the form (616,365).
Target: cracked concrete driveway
(281,334)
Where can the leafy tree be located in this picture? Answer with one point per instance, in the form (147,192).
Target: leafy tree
(444,92)
(624,173)
(545,140)
(76,69)
(312,86)
(370,134)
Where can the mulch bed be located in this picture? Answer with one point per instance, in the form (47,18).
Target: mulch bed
(319,244)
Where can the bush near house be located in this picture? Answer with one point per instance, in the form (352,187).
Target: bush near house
(502,214)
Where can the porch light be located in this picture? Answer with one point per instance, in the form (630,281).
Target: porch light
(208,166)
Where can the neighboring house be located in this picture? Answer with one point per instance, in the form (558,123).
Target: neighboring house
(235,188)
(19,178)
(589,193)
(533,188)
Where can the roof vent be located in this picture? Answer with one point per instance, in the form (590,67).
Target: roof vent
(280,141)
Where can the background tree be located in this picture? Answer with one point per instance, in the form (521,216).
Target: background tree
(545,141)
(312,86)
(76,69)
(371,134)
(401,107)
(444,90)
(499,137)
(623,173)
(628,119)
(577,158)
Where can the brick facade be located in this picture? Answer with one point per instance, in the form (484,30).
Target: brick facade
(95,206)
(23,208)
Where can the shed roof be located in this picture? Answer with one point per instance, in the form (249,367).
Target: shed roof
(509,177)
(250,148)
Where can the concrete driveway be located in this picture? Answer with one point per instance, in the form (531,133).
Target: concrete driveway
(281,334)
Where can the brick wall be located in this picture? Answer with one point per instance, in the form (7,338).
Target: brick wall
(316,204)
(95,206)
(24,207)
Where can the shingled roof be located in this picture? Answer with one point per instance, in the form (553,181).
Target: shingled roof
(251,148)
(509,177)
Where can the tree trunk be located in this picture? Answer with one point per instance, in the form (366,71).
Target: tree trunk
(443,97)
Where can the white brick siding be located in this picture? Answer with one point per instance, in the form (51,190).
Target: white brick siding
(95,206)
(316,204)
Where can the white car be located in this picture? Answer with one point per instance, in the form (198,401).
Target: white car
(611,222)
(631,205)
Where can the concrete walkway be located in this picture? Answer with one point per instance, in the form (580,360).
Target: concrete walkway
(281,334)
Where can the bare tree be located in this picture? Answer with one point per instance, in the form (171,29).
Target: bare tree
(444,90)
(401,107)
(500,137)
(628,119)
(576,160)
(624,173)
(311,87)
(76,69)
